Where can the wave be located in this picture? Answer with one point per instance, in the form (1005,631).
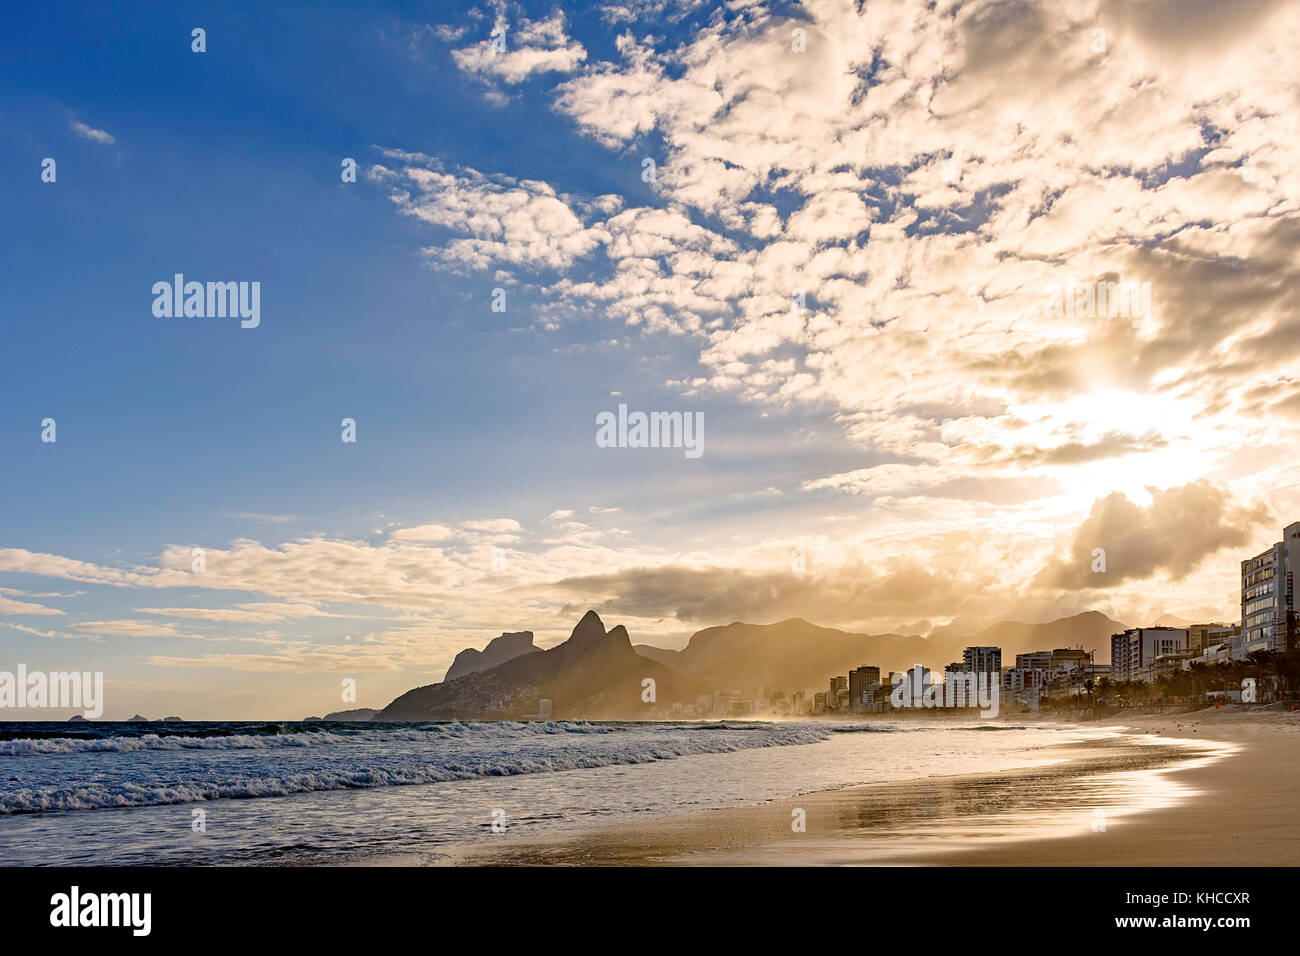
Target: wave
(265,737)
(643,744)
(272,735)
(75,745)
(865,728)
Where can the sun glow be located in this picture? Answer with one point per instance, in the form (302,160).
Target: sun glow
(1157,440)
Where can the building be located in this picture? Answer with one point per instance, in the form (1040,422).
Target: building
(1268,611)
(1069,659)
(1220,643)
(1023,682)
(861,681)
(1133,653)
(819,702)
(1170,663)
(914,683)
(838,684)
(544,708)
(1214,654)
(876,697)
(1034,660)
(1222,634)
(1095,672)
(983,660)
(1201,636)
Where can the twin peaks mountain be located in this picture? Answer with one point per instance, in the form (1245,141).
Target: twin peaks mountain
(594,674)
(598,674)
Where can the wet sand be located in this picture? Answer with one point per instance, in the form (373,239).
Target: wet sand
(1210,788)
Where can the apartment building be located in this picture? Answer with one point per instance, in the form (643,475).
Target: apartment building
(1268,610)
(1133,653)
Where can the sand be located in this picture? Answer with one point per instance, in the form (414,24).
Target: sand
(1207,788)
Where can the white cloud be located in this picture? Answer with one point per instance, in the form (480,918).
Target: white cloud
(424,532)
(531,46)
(90,133)
(10,606)
(127,628)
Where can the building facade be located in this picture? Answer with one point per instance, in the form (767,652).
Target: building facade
(861,681)
(1133,653)
(1268,611)
(983,660)
(839,688)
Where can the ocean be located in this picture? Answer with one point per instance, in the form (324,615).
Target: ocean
(238,793)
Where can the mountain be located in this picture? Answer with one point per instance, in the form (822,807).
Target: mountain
(499,650)
(788,656)
(1090,630)
(594,674)
(358,713)
(796,655)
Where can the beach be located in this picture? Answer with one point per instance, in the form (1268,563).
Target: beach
(326,793)
(1205,788)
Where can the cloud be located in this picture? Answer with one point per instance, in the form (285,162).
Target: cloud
(56,566)
(300,657)
(494,525)
(824,173)
(1179,529)
(449,34)
(424,532)
(530,47)
(500,219)
(242,613)
(127,628)
(90,133)
(873,598)
(36,632)
(10,606)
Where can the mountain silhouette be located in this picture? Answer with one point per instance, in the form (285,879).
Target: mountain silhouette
(594,674)
(789,656)
(1090,630)
(499,650)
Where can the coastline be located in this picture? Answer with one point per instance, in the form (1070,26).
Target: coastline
(1204,788)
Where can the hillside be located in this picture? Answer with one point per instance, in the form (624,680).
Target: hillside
(789,656)
(594,674)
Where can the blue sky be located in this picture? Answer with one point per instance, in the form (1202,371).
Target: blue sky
(822,431)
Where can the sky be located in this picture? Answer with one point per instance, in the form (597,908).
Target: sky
(859,242)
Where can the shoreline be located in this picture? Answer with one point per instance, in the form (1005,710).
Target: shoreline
(1202,788)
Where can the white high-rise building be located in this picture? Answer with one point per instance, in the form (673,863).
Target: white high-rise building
(1268,609)
(1133,652)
